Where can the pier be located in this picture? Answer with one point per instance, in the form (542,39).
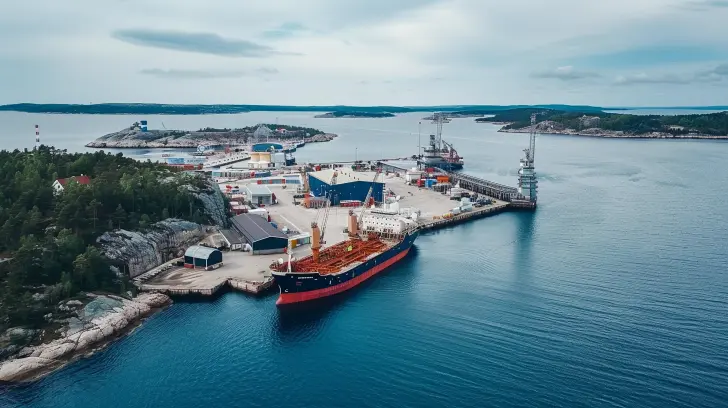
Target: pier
(226,160)
(494,209)
(207,290)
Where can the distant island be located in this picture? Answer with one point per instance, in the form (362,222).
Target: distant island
(135,137)
(613,125)
(354,114)
(177,109)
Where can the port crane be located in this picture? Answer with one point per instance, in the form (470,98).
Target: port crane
(366,201)
(317,233)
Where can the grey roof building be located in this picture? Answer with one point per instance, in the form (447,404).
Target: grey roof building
(232,239)
(260,234)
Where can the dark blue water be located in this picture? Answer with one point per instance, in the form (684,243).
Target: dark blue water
(613,294)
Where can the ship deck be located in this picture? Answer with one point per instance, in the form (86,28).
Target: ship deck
(337,257)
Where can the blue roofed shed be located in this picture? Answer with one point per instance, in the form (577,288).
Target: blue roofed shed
(198,256)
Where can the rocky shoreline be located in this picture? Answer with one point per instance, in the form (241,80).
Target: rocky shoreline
(135,138)
(354,115)
(615,135)
(553,128)
(91,327)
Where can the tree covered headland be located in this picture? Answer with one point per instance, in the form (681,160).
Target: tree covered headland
(713,124)
(48,238)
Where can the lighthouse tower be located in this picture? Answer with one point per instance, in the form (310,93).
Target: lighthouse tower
(37,137)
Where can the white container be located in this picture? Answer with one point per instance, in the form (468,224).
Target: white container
(455,211)
(259,211)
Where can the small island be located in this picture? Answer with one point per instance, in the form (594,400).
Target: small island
(136,136)
(613,125)
(353,114)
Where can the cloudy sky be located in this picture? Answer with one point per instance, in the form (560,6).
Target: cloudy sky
(365,52)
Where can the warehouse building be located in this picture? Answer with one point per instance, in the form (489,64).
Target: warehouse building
(347,187)
(260,234)
(198,256)
(258,194)
(232,239)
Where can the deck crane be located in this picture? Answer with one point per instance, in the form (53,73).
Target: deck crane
(366,200)
(317,234)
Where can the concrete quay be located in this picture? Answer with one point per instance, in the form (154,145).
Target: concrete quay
(250,273)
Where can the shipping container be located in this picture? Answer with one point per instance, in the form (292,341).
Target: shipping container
(443,179)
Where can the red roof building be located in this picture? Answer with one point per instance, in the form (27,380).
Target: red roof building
(59,184)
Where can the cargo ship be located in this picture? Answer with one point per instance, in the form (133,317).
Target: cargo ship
(377,239)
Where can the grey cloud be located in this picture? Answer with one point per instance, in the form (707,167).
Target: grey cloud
(204,43)
(702,5)
(567,73)
(203,74)
(285,30)
(717,74)
(652,79)
(191,73)
(267,70)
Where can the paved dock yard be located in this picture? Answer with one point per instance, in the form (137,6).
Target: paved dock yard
(250,273)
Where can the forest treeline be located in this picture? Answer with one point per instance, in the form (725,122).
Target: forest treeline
(47,239)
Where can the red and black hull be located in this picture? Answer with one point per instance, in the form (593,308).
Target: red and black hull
(301,287)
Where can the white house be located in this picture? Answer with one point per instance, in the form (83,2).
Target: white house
(59,184)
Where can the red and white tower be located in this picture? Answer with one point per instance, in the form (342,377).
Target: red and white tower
(37,137)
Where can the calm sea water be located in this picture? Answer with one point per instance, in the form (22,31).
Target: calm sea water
(613,294)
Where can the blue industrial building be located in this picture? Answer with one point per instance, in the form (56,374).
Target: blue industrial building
(267,147)
(349,186)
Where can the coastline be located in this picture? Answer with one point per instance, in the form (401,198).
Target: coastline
(615,135)
(339,115)
(131,143)
(601,133)
(34,362)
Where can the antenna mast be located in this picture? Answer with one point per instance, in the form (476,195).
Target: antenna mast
(532,142)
